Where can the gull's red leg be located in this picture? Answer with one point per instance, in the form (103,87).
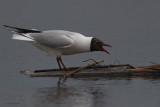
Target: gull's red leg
(60,68)
(65,68)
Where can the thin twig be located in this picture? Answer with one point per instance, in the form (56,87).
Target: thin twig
(74,71)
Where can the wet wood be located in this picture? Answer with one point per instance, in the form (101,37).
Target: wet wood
(120,70)
(74,71)
(148,68)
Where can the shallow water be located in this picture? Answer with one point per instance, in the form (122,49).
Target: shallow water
(84,92)
(130,26)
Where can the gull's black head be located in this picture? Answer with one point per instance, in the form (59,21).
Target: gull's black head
(97,45)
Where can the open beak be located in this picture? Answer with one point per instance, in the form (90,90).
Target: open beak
(104,49)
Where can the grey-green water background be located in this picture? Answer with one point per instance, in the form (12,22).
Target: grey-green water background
(132,27)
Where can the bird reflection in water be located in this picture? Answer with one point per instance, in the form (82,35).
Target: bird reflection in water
(71,96)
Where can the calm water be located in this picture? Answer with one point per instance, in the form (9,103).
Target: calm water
(88,92)
(130,26)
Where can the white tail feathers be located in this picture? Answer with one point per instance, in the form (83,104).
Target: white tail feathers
(21,37)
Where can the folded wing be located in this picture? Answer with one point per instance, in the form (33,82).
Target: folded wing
(52,40)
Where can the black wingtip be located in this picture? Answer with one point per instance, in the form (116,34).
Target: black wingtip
(8,26)
(5,25)
(21,30)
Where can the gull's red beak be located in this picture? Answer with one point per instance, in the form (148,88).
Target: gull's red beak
(104,49)
(106,45)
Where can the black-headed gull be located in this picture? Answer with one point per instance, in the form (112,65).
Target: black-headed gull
(59,42)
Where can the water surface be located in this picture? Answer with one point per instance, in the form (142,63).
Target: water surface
(130,26)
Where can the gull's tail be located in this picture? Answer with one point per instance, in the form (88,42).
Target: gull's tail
(22,34)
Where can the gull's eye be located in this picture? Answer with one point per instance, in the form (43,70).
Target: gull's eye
(97,43)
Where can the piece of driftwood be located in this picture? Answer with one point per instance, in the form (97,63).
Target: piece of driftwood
(68,74)
(148,68)
(74,71)
(102,70)
(120,70)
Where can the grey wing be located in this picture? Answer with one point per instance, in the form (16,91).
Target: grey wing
(52,40)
